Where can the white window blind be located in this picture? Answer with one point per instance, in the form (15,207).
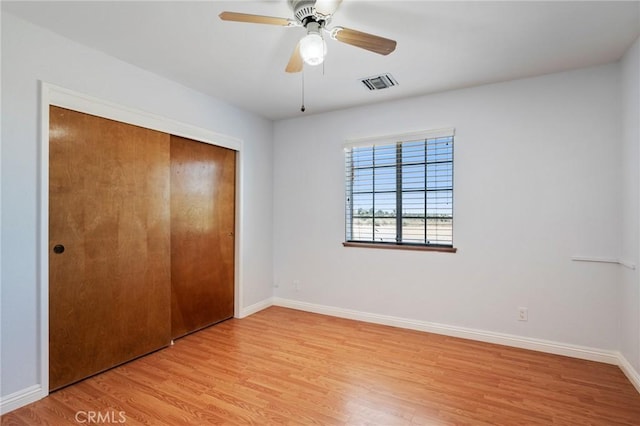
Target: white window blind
(399,190)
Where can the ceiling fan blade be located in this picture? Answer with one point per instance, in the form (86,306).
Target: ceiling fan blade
(295,62)
(370,42)
(327,7)
(256,19)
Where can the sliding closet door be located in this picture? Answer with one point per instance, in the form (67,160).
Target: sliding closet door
(202,234)
(109,235)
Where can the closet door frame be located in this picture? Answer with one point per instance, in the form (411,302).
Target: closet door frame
(58,96)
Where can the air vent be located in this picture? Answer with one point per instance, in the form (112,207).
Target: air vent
(379,82)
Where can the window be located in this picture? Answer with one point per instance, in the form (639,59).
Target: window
(399,191)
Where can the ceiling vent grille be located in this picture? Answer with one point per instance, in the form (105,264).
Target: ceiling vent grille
(379,82)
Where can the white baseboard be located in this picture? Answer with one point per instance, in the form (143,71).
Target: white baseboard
(581,352)
(256,307)
(21,398)
(629,371)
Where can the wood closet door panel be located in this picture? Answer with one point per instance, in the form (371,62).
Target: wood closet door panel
(202,234)
(110,290)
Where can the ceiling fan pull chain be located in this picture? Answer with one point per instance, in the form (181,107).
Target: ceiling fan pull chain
(302,108)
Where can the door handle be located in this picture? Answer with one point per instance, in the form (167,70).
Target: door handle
(58,249)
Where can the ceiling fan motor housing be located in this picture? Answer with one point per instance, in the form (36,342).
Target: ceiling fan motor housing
(305,12)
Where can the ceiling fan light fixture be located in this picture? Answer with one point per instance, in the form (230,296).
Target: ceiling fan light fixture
(315,16)
(312,46)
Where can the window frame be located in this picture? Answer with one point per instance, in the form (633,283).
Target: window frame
(389,142)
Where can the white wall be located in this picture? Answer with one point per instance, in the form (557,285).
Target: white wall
(537,180)
(630,312)
(30,54)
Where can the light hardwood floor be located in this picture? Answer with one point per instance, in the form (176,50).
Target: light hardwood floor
(282,366)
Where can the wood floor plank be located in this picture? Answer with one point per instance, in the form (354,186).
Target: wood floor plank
(282,366)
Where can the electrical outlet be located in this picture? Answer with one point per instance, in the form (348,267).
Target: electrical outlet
(523,314)
(296,285)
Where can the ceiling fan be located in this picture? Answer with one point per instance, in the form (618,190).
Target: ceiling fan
(314,16)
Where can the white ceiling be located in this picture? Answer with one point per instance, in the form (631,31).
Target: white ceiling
(441,45)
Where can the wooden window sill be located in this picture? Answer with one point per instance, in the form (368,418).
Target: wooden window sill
(400,247)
